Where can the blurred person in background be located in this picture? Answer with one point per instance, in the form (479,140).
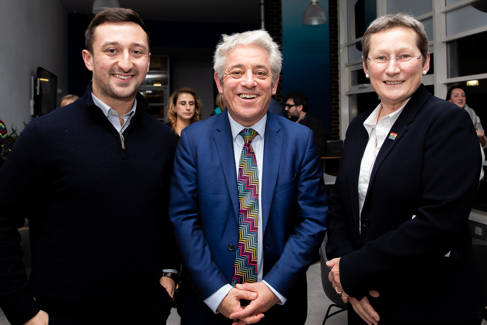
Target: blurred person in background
(457,95)
(220,105)
(184,109)
(67,99)
(296,108)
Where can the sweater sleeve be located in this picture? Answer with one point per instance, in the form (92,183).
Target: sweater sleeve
(171,259)
(18,183)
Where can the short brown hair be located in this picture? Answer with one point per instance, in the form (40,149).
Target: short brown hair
(112,15)
(171,113)
(396,20)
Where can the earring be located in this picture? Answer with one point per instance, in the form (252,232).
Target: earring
(367,75)
(424,72)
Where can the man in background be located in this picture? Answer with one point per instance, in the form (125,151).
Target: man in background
(297,110)
(93,182)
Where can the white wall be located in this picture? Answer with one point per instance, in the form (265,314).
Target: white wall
(32,33)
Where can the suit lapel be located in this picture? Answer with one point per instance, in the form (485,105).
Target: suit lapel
(356,160)
(399,129)
(272,157)
(222,136)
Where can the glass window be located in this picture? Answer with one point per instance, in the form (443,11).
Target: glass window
(355,53)
(432,64)
(366,101)
(155,87)
(156,79)
(358,78)
(476,98)
(465,19)
(362,13)
(413,7)
(464,57)
(450,2)
(428,28)
(350,19)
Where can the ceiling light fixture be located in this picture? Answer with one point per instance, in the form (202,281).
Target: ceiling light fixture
(314,14)
(472,83)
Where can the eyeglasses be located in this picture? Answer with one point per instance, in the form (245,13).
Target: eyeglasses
(401,58)
(289,105)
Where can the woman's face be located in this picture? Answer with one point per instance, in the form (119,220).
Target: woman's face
(458,97)
(185,106)
(395,65)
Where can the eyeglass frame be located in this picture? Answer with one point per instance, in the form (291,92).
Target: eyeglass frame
(396,58)
(286,106)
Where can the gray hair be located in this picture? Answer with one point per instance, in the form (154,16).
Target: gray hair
(396,20)
(260,38)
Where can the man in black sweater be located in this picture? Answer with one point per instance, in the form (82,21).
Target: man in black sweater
(296,107)
(93,181)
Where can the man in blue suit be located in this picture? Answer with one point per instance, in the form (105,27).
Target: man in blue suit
(288,199)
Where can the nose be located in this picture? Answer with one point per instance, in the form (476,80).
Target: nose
(392,66)
(248,79)
(125,62)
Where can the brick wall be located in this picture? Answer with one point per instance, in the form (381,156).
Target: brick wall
(334,83)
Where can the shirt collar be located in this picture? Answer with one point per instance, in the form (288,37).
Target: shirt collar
(237,128)
(371,121)
(107,110)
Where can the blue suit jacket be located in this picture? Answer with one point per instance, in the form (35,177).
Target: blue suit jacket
(416,248)
(204,204)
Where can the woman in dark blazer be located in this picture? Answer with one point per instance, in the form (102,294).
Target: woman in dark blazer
(398,239)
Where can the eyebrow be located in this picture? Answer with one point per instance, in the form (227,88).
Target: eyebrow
(243,66)
(117,43)
(387,50)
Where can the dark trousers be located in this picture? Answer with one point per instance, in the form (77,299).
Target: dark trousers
(153,311)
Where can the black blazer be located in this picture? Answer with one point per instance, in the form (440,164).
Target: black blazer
(415,247)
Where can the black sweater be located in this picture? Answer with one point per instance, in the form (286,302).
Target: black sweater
(100,233)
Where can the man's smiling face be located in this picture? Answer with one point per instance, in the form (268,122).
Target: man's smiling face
(247,83)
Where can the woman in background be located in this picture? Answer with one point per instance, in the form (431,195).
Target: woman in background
(457,95)
(399,246)
(220,105)
(184,109)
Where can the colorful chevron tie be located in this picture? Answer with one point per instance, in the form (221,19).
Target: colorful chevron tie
(245,267)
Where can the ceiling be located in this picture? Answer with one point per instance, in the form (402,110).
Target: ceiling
(215,11)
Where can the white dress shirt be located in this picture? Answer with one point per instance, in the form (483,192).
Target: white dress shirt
(378,131)
(112,115)
(216,298)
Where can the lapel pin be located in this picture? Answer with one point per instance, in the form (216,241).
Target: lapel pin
(392,136)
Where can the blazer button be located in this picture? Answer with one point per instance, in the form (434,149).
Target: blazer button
(231,247)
